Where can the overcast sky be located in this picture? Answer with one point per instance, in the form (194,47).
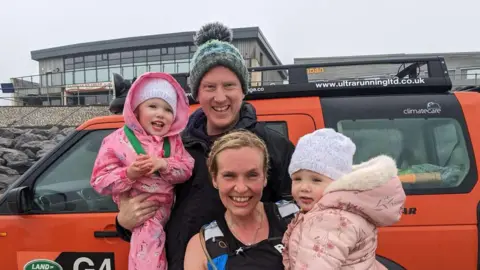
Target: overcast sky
(297,28)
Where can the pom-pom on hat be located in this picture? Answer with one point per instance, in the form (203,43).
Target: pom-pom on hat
(214,49)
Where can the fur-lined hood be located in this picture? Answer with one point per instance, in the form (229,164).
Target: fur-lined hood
(372,190)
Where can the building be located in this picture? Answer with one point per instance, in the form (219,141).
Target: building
(463,67)
(81,73)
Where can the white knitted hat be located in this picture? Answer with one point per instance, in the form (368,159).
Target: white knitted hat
(156,88)
(323,151)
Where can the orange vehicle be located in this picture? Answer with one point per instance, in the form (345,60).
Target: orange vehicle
(52,217)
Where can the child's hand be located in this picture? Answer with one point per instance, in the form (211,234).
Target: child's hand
(142,165)
(158,164)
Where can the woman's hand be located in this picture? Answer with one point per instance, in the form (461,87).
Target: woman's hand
(134,211)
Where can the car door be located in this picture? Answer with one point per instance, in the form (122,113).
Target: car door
(68,226)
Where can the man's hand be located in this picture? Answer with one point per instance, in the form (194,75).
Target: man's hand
(134,211)
(142,165)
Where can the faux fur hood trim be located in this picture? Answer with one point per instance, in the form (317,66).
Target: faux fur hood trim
(366,176)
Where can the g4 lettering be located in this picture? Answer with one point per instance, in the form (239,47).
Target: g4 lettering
(84,263)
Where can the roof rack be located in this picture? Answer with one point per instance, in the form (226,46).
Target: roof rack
(406,81)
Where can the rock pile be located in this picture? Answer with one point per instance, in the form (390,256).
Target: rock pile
(21,148)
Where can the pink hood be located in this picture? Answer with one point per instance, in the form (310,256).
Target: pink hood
(372,190)
(181,118)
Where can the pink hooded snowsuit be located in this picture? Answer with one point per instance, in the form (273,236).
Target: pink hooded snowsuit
(340,232)
(116,154)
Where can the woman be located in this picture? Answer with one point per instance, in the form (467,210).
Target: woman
(248,235)
(219,81)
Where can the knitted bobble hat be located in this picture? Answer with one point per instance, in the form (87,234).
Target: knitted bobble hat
(215,49)
(323,151)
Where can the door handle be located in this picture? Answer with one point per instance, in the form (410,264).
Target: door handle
(105,234)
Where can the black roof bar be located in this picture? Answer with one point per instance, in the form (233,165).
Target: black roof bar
(438,81)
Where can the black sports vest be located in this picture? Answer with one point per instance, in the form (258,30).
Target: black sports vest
(229,253)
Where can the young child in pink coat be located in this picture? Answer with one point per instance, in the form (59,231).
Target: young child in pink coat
(341,204)
(147,155)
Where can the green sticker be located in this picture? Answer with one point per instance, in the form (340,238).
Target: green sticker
(42,264)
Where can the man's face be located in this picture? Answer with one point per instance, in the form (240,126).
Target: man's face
(220,95)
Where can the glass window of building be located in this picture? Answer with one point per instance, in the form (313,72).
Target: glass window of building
(153,52)
(115,69)
(140,56)
(128,54)
(79,76)
(473,74)
(102,74)
(168,66)
(69,77)
(127,72)
(90,75)
(183,67)
(139,70)
(155,67)
(102,60)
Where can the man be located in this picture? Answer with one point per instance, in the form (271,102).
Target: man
(219,81)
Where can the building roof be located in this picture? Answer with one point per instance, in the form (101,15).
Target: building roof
(381,56)
(149,41)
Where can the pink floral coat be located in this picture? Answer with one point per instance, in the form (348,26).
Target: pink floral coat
(340,232)
(109,176)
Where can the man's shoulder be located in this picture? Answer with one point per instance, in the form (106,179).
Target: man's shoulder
(269,135)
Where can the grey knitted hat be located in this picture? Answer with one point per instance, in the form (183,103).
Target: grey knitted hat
(215,48)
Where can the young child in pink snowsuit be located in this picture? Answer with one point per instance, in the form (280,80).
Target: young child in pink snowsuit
(341,204)
(155,112)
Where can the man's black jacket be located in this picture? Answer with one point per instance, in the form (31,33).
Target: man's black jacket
(197,202)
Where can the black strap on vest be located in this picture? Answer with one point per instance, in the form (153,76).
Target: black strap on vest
(216,244)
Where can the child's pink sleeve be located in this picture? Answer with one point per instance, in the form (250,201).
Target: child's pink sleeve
(109,175)
(179,165)
(326,242)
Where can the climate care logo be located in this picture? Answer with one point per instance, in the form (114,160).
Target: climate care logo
(432,108)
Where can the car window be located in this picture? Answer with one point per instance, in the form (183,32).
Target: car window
(65,185)
(430,152)
(279,126)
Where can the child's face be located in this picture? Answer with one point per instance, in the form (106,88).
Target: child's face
(308,187)
(156,116)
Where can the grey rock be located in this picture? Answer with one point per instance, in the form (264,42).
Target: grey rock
(28,137)
(67,131)
(20,148)
(7,171)
(6,142)
(13,155)
(6,181)
(7,133)
(30,154)
(47,133)
(43,152)
(58,138)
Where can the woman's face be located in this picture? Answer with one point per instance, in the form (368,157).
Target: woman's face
(220,95)
(240,179)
